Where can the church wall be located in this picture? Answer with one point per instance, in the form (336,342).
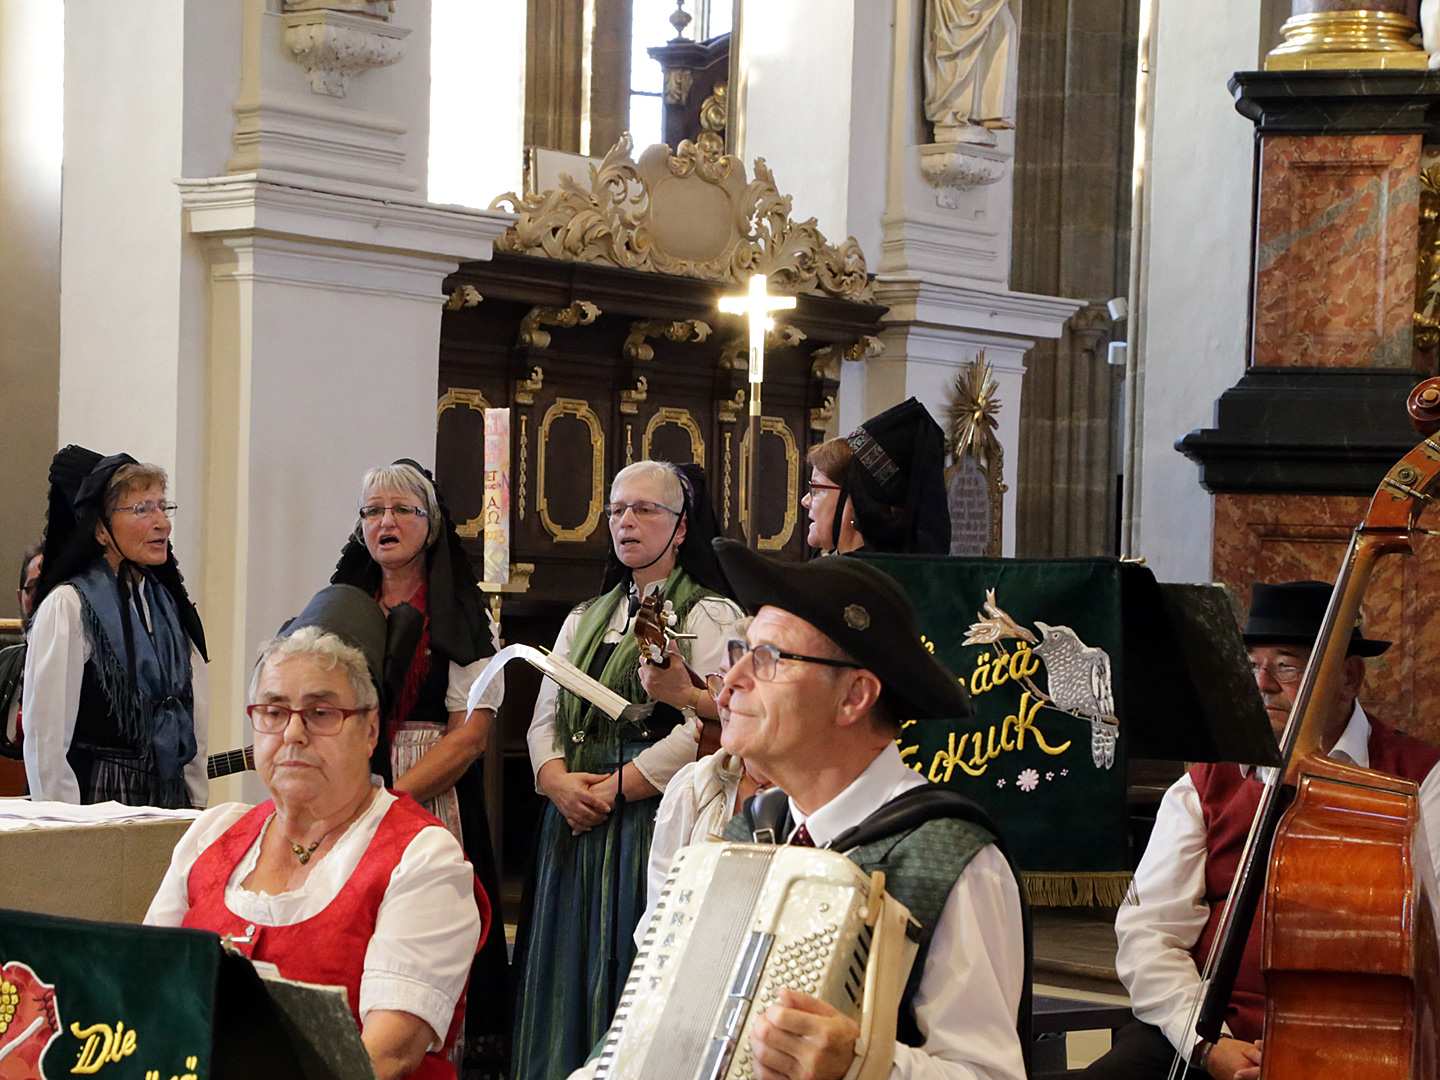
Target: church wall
(31,36)
(1197,222)
(121,244)
(797,102)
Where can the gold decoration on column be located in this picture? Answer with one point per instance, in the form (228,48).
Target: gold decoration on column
(524,461)
(820,417)
(714,112)
(1427,269)
(474,400)
(773,425)
(580,313)
(463,297)
(630,399)
(735,355)
(863,348)
(1338,40)
(525,389)
(729,409)
(725,520)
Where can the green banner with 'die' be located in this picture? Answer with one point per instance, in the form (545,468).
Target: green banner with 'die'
(1038,647)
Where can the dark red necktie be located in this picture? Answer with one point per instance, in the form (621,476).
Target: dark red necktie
(801,838)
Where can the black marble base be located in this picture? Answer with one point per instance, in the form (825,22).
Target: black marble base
(1357,102)
(1314,431)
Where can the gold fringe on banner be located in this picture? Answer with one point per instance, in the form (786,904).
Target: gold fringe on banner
(1077,890)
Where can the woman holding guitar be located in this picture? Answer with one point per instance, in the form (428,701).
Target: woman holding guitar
(590,882)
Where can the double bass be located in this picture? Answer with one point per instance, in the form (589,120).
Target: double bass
(1349,955)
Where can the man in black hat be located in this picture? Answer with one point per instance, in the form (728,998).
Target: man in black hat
(1166,929)
(831,666)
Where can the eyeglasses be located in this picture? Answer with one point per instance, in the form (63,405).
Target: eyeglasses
(1282,671)
(765,657)
(643,511)
(271,718)
(148,507)
(401,512)
(815,486)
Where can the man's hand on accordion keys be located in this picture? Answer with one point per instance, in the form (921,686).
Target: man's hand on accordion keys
(803,1038)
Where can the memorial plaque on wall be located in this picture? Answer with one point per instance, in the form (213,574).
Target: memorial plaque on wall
(968,493)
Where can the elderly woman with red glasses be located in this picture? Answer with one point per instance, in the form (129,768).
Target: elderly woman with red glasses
(590,878)
(334,880)
(114,704)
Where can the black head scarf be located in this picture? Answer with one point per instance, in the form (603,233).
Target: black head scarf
(78,480)
(695,557)
(459,622)
(896,484)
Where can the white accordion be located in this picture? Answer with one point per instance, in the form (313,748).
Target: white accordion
(734,924)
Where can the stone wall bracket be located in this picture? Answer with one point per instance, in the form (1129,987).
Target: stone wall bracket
(332,46)
(953,168)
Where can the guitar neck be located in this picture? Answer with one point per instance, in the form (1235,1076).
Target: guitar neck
(230,761)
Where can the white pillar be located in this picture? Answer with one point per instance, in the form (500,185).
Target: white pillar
(269,329)
(1195,280)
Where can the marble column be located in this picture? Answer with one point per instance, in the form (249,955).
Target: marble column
(268,327)
(1303,440)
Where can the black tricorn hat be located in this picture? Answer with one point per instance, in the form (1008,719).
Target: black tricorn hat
(353,617)
(859,608)
(1290,613)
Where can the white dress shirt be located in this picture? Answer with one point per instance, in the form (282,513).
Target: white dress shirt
(426,929)
(712,620)
(698,803)
(54,668)
(969,993)
(1165,912)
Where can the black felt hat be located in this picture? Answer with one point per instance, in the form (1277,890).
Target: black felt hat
(353,617)
(1291,613)
(897,482)
(859,608)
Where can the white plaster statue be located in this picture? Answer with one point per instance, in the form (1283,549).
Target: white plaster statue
(971,51)
(1430,28)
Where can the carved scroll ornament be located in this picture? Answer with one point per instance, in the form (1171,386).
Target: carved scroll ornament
(690,213)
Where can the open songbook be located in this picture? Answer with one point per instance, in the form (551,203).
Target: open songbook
(556,667)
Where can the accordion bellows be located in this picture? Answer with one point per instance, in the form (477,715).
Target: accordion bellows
(733,925)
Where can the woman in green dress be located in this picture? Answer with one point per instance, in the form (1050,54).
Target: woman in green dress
(590,878)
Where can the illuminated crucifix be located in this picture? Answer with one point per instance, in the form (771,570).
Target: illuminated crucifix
(756,304)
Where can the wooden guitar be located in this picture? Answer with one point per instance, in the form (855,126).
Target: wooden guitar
(654,631)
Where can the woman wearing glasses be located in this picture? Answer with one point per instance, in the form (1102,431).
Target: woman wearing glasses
(406,554)
(333,880)
(660,531)
(832,521)
(115,699)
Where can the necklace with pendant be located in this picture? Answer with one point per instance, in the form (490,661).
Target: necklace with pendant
(304,853)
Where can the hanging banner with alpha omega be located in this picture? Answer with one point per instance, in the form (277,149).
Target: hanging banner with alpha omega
(1038,645)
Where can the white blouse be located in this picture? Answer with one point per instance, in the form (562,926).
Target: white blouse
(712,620)
(425,931)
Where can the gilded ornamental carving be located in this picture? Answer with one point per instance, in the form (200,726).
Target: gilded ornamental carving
(691,213)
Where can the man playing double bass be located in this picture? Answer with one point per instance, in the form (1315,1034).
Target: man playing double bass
(1166,927)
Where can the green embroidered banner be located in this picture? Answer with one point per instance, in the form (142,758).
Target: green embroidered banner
(1038,645)
(105,999)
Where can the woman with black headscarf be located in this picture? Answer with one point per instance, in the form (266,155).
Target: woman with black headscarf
(590,880)
(115,698)
(406,553)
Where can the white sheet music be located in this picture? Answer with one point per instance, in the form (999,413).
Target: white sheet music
(556,667)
